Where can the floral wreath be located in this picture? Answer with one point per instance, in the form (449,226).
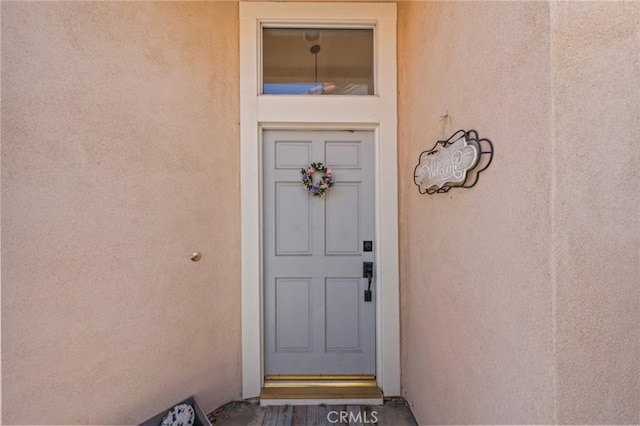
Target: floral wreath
(320,188)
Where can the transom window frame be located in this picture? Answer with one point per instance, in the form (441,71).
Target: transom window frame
(377,113)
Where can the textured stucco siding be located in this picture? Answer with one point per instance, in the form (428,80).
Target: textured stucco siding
(596,125)
(119,159)
(476,288)
(520,297)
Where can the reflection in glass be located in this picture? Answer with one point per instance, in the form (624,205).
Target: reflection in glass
(317,61)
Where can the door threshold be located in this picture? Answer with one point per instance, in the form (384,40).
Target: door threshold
(356,401)
(313,390)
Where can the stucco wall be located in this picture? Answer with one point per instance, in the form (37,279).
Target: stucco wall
(119,158)
(520,296)
(596,119)
(475,263)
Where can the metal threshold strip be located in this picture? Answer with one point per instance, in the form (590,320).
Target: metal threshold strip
(305,389)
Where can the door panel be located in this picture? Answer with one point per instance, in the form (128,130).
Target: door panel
(293,220)
(342,320)
(293,322)
(315,317)
(342,220)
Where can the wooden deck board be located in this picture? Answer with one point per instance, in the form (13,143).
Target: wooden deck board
(394,412)
(312,415)
(299,415)
(271,416)
(323,411)
(355,412)
(367,412)
(285,415)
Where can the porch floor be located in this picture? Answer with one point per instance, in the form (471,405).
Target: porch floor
(394,412)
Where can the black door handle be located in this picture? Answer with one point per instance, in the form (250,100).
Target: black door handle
(367,272)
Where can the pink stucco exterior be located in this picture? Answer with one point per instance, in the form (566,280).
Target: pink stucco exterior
(520,297)
(120,157)
(477,328)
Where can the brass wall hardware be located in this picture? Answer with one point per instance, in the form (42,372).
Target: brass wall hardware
(195,256)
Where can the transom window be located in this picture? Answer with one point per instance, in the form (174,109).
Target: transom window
(317,61)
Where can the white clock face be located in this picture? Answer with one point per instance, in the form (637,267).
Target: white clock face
(180,415)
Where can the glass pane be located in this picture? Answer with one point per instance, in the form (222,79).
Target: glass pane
(317,61)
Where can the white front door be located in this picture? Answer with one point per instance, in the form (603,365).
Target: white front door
(316,318)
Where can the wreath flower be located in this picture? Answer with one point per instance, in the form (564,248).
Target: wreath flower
(319,188)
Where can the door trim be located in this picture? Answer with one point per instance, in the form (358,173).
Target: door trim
(376,113)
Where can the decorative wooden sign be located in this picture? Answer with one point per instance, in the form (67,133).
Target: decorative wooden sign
(454,163)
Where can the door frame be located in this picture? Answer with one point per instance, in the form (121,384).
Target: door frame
(377,113)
